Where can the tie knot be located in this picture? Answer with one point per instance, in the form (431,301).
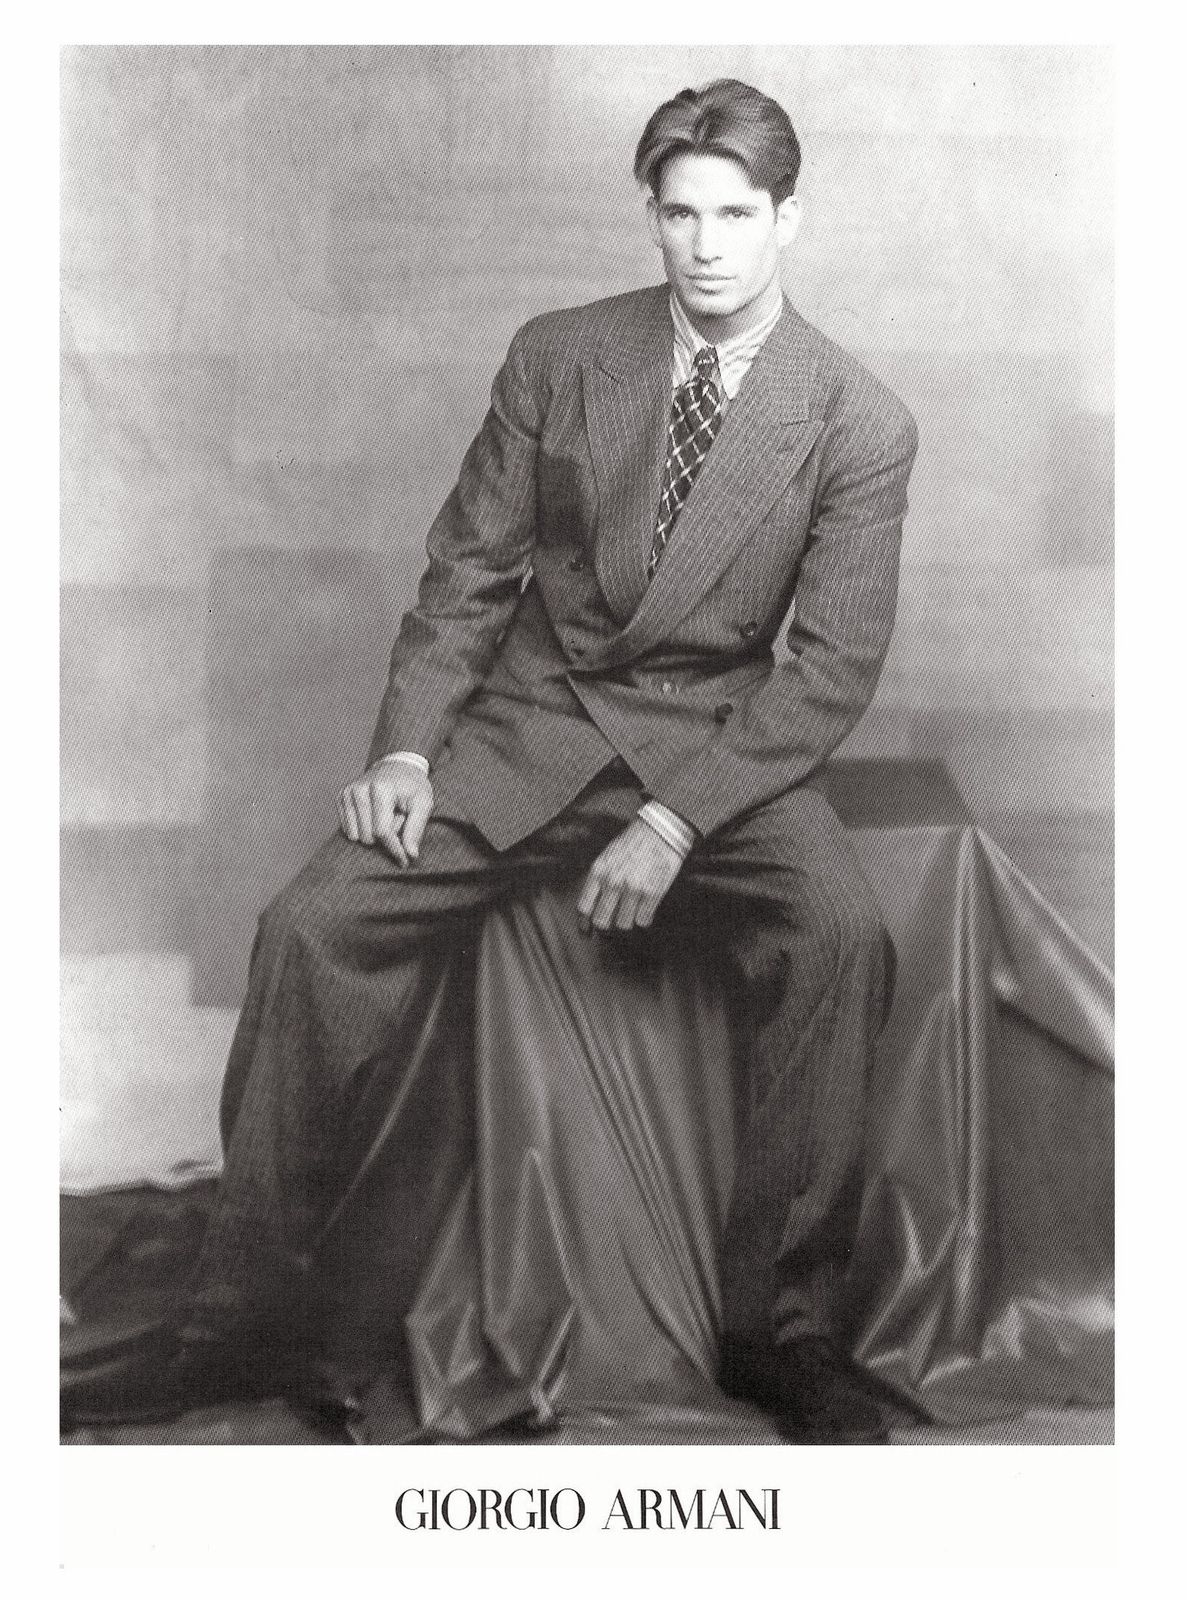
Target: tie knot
(704,364)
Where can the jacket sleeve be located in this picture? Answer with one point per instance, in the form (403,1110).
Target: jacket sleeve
(844,605)
(479,550)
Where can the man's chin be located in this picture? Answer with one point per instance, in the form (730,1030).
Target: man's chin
(710,302)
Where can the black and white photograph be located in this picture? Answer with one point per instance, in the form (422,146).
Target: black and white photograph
(587,750)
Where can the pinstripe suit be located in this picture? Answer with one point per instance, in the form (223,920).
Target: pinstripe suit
(552,689)
(802,497)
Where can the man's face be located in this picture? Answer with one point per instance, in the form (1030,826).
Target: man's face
(720,238)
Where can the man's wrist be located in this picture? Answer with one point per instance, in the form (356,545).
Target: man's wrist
(672,829)
(410,756)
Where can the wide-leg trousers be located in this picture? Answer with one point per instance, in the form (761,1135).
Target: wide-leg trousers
(350,954)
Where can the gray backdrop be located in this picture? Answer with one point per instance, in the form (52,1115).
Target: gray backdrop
(289,274)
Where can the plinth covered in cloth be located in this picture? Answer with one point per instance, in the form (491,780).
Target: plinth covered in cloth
(533,1231)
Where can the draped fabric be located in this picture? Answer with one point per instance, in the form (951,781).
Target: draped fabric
(567,1264)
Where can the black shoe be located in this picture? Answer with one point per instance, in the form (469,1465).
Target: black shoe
(813,1392)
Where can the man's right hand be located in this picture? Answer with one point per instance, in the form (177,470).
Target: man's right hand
(389,805)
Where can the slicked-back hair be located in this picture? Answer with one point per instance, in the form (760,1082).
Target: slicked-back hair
(723,118)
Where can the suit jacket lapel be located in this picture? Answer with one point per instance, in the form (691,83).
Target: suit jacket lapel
(628,395)
(764,439)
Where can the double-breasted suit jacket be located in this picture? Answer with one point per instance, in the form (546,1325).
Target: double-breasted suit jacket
(537,650)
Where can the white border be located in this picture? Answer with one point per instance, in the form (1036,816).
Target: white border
(186,1509)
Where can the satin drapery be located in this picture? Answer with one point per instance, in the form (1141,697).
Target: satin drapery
(576,1270)
(547,1244)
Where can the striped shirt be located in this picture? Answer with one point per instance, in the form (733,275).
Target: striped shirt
(734,356)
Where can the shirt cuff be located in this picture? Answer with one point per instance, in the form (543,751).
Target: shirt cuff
(410,756)
(671,828)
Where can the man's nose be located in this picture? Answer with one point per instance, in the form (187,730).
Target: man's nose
(707,242)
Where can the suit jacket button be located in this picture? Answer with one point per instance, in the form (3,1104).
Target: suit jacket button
(667,686)
(748,630)
(724,710)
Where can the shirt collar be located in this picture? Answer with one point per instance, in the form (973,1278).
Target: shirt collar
(734,356)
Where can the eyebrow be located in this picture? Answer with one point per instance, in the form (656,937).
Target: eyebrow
(731,205)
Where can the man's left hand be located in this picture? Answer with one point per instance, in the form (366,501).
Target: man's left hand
(628,880)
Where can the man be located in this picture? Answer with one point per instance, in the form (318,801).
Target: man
(587,678)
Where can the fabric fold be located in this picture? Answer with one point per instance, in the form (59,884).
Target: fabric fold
(549,1248)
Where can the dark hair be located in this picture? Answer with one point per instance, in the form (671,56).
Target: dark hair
(723,118)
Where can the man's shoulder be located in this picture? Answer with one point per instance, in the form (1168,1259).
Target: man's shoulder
(851,395)
(572,332)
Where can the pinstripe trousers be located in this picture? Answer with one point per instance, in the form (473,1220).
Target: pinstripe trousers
(335,998)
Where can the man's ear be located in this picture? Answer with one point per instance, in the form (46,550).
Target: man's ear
(787,220)
(653,221)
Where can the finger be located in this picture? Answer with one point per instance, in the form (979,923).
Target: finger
(417,821)
(362,802)
(648,906)
(627,914)
(352,817)
(588,898)
(389,838)
(603,917)
(383,808)
(388,822)
(391,843)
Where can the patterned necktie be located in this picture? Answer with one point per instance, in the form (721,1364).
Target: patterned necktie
(696,416)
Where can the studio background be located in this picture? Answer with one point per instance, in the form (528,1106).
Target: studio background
(288,278)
